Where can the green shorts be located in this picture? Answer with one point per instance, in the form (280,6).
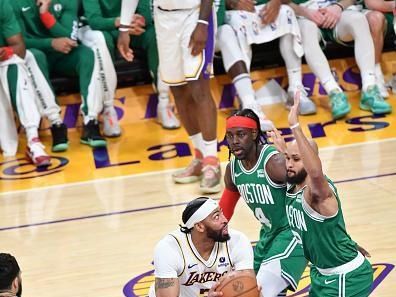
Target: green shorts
(356,283)
(389,23)
(282,247)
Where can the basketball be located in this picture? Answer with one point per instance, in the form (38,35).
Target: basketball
(238,284)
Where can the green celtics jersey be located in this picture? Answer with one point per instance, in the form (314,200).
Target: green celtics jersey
(264,197)
(325,241)
(8,23)
(35,34)
(220,11)
(101,14)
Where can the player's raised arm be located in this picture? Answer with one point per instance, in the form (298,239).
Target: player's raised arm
(128,9)
(318,184)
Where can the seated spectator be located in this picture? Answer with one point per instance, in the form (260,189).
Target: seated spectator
(379,14)
(104,15)
(25,86)
(52,29)
(10,276)
(234,64)
(261,21)
(330,20)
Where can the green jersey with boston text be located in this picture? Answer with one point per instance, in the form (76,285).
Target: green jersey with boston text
(325,240)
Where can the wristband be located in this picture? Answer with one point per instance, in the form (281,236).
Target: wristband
(295,126)
(339,5)
(203,22)
(9,52)
(47,19)
(123,28)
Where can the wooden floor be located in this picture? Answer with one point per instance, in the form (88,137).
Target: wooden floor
(94,238)
(87,225)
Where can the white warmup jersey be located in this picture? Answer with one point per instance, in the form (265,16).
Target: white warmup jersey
(177,4)
(176,257)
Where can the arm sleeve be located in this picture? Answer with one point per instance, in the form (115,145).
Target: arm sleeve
(95,18)
(63,24)
(128,9)
(168,260)
(241,251)
(228,201)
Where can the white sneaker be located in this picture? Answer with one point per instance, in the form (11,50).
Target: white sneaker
(36,153)
(265,124)
(111,127)
(382,87)
(307,106)
(166,117)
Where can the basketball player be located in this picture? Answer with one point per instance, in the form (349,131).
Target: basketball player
(256,22)
(185,35)
(234,64)
(256,172)
(18,70)
(104,15)
(379,14)
(189,262)
(315,216)
(10,276)
(52,29)
(330,20)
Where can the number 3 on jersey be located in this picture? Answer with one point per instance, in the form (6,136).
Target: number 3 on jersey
(258,212)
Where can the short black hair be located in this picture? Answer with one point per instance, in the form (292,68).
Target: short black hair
(190,209)
(9,270)
(248,113)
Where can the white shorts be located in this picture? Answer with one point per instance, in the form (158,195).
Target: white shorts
(173,31)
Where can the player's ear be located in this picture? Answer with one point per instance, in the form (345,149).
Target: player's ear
(254,133)
(200,227)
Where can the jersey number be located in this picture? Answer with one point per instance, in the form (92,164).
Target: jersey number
(258,212)
(203,293)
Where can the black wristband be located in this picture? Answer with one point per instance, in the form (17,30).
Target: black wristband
(339,5)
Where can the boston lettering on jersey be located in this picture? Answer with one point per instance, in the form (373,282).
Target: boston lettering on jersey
(209,276)
(296,218)
(256,193)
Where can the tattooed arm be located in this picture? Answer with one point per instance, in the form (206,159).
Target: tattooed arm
(167,287)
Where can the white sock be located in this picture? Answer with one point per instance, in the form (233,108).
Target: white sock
(243,85)
(331,85)
(163,92)
(55,119)
(31,133)
(378,72)
(198,142)
(368,80)
(210,148)
(295,78)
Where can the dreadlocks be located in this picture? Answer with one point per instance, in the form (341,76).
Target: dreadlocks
(261,136)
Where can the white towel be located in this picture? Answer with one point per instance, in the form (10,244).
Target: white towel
(248,26)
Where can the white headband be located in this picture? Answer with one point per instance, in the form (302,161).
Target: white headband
(202,212)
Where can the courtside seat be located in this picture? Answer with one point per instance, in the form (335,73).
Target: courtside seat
(264,56)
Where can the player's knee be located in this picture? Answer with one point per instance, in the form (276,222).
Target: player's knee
(376,20)
(38,55)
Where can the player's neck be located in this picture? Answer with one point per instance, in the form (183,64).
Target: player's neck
(250,161)
(301,185)
(203,245)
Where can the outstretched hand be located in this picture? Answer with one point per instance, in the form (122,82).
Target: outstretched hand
(294,110)
(278,140)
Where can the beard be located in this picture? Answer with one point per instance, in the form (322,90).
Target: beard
(218,236)
(19,292)
(298,178)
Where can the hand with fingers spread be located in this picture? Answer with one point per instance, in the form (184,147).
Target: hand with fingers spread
(198,39)
(363,251)
(278,140)
(213,292)
(315,16)
(123,45)
(294,110)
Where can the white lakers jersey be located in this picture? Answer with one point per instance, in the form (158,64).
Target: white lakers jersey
(177,4)
(176,257)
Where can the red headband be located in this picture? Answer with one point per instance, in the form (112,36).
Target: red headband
(241,122)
